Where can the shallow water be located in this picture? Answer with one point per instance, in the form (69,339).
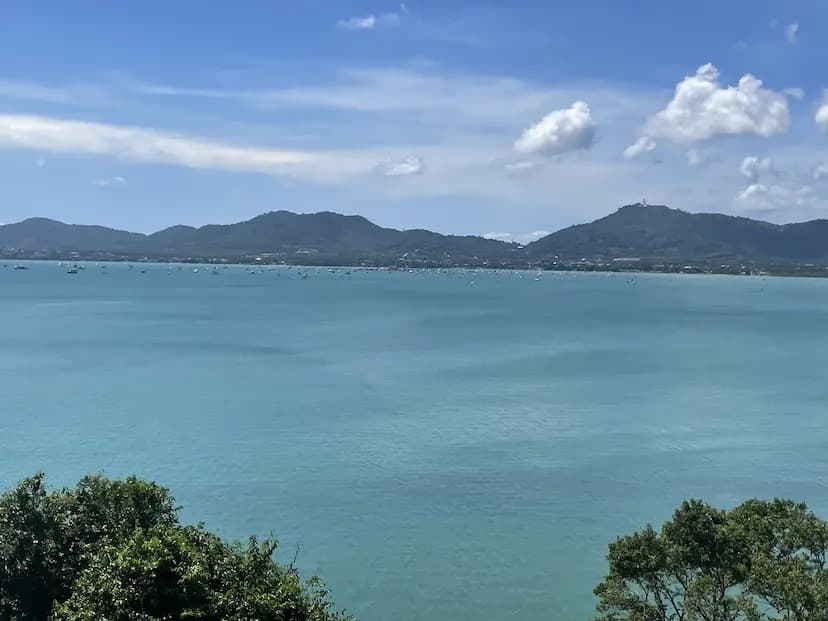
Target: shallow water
(440,450)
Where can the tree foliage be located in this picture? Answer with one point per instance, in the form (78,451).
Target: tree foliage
(115,550)
(761,561)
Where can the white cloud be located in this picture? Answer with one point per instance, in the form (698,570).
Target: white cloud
(790,32)
(369,22)
(76,94)
(645,144)
(109,182)
(410,165)
(429,100)
(786,192)
(820,172)
(520,166)
(761,197)
(462,125)
(560,131)
(822,113)
(752,167)
(357,23)
(701,109)
(519,238)
(505,237)
(142,144)
(694,158)
(795,92)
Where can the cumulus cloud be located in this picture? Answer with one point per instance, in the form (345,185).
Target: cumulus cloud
(820,172)
(752,167)
(109,182)
(645,144)
(560,131)
(701,109)
(795,92)
(822,113)
(790,32)
(411,165)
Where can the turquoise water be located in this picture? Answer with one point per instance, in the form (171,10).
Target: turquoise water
(441,450)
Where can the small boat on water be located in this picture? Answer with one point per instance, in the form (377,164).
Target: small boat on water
(21,267)
(72,270)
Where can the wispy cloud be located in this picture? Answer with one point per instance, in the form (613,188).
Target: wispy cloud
(520,167)
(432,94)
(143,144)
(790,32)
(371,21)
(411,165)
(644,144)
(76,94)
(821,115)
(795,92)
(357,23)
(103,183)
(694,157)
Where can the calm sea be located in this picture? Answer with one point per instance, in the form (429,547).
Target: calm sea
(442,446)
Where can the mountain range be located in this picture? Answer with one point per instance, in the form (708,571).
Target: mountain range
(638,230)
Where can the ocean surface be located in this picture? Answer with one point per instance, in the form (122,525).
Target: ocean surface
(441,446)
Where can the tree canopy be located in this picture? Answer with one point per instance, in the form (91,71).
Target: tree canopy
(115,550)
(761,561)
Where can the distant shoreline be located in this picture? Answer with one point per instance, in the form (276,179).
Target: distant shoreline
(595,266)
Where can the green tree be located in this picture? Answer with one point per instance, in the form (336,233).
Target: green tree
(115,550)
(187,573)
(30,566)
(690,570)
(787,546)
(760,560)
(48,538)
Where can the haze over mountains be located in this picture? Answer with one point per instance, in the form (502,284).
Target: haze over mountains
(646,232)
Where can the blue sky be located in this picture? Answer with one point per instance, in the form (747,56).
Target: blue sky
(498,118)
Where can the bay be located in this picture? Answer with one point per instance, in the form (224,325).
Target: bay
(440,445)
